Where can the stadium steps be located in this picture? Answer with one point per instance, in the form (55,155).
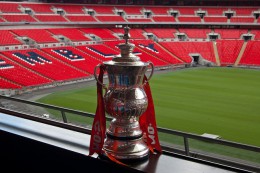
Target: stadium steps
(170,53)
(202,20)
(228,21)
(65,17)
(240,54)
(216,53)
(255,21)
(177,20)
(35,18)
(94,16)
(85,72)
(27,68)
(52,35)
(10,81)
(3,19)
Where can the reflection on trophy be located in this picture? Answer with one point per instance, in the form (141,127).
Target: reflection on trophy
(125,100)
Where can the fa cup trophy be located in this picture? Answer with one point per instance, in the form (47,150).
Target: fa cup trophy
(125,100)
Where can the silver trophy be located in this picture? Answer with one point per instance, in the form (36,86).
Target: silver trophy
(125,100)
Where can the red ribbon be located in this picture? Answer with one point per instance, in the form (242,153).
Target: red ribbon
(99,123)
(148,122)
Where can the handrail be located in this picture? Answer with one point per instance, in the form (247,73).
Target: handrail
(186,136)
(205,139)
(160,129)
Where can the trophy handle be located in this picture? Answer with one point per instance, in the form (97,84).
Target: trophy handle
(151,74)
(95,75)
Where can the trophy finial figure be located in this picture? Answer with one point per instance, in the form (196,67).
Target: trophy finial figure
(126,34)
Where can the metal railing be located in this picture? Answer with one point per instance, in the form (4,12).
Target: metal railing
(188,139)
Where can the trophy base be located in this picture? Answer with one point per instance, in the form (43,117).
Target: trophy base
(131,161)
(125,149)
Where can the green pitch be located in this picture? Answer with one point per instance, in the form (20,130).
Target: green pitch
(221,101)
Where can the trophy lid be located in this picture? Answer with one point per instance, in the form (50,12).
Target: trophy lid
(126,57)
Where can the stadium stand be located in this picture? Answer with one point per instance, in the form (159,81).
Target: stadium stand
(93,45)
(102,9)
(217,19)
(9,8)
(228,50)
(50,18)
(162,32)
(44,64)
(256,34)
(81,18)
(4,84)
(18,18)
(71,33)
(195,33)
(140,20)
(7,38)
(157,50)
(48,45)
(96,51)
(21,75)
(71,9)
(244,11)
(189,19)
(251,56)
(111,18)
(242,19)
(39,8)
(2,20)
(135,33)
(164,19)
(131,10)
(74,58)
(104,34)
(230,33)
(158,10)
(214,11)
(186,10)
(38,35)
(183,50)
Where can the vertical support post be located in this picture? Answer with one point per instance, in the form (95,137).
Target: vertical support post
(186,145)
(64,117)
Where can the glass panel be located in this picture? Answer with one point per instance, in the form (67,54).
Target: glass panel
(171,140)
(79,120)
(225,152)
